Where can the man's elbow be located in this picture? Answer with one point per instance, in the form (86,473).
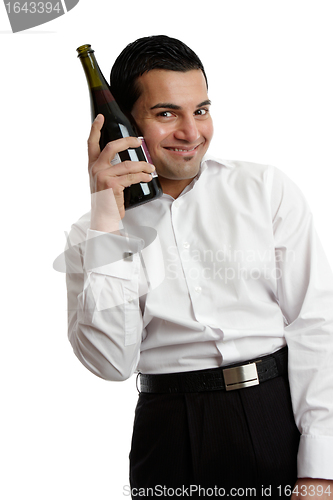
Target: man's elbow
(97,359)
(116,375)
(107,371)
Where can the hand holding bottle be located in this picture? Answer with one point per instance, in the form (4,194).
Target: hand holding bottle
(113,133)
(107,182)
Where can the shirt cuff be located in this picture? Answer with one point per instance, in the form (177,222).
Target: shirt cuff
(112,254)
(315,457)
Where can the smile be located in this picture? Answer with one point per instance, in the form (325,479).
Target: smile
(183,150)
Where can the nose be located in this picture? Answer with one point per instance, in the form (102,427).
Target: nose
(187,129)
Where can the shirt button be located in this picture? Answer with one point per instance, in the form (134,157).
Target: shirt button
(198,289)
(176,204)
(186,244)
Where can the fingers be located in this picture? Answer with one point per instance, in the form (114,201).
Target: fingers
(104,167)
(113,178)
(130,167)
(103,161)
(114,147)
(126,174)
(106,180)
(105,156)
(94,137)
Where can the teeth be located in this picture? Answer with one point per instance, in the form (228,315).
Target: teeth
(185,150)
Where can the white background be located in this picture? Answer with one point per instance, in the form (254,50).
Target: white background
(65,434)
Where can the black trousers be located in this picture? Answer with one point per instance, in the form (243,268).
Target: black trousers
(212,444)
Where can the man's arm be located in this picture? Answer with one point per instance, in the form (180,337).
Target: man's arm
(104,317)
(305,295)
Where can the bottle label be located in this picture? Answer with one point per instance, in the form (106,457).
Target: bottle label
(115,160)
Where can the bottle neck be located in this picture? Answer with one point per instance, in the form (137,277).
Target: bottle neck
(92,71)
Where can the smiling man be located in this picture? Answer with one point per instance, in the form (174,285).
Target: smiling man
(234,347)
(173,110)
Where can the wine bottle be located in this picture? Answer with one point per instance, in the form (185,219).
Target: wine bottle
(116,125)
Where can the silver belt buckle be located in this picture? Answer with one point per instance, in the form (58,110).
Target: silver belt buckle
(240,377)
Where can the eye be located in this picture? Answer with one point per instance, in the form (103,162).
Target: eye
(202,112)
(165,114)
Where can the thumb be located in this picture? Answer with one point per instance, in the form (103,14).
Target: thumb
(94,137)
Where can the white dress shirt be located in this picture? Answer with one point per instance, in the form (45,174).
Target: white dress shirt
(229,271)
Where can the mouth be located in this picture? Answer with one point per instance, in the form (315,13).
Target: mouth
(183,150)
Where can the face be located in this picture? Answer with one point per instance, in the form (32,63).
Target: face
(172,114)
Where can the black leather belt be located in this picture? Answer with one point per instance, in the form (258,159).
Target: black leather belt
(228,378)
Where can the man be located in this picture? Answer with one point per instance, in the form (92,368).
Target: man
(244,277)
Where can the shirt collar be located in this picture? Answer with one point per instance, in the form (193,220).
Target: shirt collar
(203,167)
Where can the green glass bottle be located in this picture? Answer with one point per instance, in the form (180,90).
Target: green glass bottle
(116,125)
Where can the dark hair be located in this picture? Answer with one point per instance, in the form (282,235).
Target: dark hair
(145,54)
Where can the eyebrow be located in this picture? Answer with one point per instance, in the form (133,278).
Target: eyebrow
(169,105)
